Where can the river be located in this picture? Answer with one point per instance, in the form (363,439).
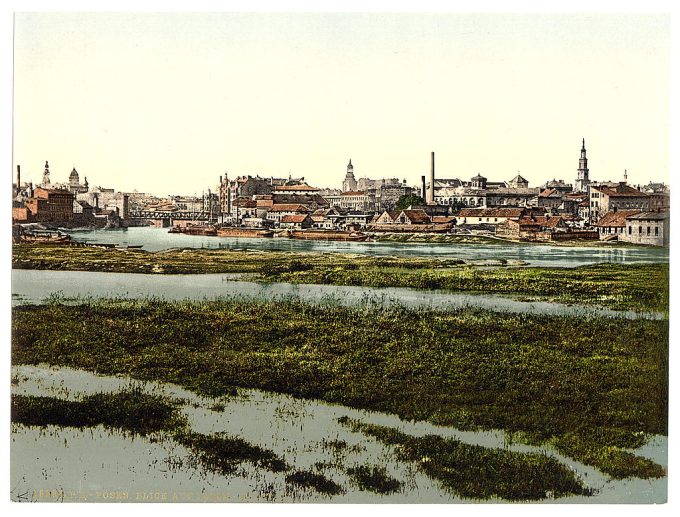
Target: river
(157,239)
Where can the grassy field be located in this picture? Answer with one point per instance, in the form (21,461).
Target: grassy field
(636,287)
(591,386)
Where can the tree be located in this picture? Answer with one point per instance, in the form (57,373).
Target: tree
(409,200)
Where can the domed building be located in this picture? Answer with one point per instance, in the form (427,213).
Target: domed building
(74,183)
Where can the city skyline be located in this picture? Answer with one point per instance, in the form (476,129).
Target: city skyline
(167,103)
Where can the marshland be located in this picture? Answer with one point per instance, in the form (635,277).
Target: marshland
(406,401)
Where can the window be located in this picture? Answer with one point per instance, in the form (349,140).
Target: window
(656,231)
(640,230)
(630,230)
(649,230)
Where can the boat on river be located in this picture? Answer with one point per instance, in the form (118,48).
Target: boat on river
(43,237)
(194,230)
(327,235)
(230,231)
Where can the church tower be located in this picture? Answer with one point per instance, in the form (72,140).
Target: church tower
(582,180)
(350,183)
(46,175)
(74,181)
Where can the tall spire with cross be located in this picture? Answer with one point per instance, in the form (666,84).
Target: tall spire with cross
(582,179)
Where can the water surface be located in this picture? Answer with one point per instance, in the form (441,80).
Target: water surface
(35,286)
(93,462)
(156,239)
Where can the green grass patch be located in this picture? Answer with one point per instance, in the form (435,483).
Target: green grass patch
(374,479)
(603,380)
(222,454)
(318,482)
(476,472)
(130,410)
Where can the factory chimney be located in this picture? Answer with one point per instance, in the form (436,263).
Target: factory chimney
(18,177)
(430,194)
(423,190)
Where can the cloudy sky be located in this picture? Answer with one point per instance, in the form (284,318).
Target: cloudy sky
(166,103)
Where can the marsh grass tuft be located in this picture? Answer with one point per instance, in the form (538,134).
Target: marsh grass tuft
(222,454)
(374,479)
(476,472)
(130,410)
(318,482)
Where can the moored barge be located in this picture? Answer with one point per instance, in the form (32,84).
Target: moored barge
(243,232)
(327,235)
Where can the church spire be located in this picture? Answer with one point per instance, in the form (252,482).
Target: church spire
(46,174)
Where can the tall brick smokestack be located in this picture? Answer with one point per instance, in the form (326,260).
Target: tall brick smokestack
(423,190)
(18,177)
(430,193)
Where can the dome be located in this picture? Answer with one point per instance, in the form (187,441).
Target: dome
(74,175)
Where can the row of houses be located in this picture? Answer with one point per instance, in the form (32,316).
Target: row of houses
(62,207)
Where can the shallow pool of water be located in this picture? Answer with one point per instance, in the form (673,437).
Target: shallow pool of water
(96,464)
(35,286)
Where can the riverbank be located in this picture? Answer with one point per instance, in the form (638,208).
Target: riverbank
(642,287)
(546,379)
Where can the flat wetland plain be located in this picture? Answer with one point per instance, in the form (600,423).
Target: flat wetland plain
(593,388)
(617,286)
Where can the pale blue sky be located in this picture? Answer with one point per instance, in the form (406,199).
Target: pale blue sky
(167,102)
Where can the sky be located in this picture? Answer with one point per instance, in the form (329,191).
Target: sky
(166,103)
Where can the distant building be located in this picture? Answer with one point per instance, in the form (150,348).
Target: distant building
(652,228)
(358,200)
(606,198)
(51,205)
(74,183)
(518,182)
(300,190)
(613,223)
(558,185)
(277,212)
(349,183)
(582,173)
(494,216)
(550,198)
(297,222)
(531,227)
(403,217)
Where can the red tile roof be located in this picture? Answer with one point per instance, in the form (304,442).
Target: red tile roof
(442,219)
(617,218)
(621,191)
(417,216)
(294,218)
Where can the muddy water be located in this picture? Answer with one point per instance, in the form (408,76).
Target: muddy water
(34,286)
(100,465)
